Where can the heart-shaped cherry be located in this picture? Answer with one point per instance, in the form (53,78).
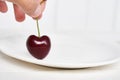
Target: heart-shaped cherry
(38,46)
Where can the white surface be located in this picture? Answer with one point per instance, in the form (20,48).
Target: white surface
(66,51)
(12,69)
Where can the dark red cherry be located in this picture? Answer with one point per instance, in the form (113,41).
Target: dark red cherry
(38,47)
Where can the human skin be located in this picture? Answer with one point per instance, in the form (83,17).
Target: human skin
(33,8)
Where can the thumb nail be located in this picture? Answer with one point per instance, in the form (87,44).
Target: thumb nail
(37,12)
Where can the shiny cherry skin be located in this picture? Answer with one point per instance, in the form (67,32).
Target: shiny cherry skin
(38,47)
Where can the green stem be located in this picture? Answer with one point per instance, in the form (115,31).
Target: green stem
(38,27)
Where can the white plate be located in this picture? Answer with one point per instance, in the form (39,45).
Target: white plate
(66,52)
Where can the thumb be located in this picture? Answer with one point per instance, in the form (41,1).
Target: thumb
(30,7)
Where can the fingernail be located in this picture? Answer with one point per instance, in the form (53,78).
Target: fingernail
(37,12)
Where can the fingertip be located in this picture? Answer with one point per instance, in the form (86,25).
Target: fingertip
(37,12)
(39,17)
(20,19)
(40,11)
(19,14)
(3,7)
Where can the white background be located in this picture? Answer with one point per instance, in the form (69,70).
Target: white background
(95,18)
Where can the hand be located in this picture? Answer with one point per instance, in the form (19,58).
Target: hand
(22,7)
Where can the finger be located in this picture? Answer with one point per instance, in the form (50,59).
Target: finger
(43,4)
(19,14)
(3,7)
(39,17)
(30,7)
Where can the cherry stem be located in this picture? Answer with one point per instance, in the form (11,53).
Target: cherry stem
(38,29)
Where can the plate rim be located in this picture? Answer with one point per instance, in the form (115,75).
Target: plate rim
(51,65)
(45,63)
